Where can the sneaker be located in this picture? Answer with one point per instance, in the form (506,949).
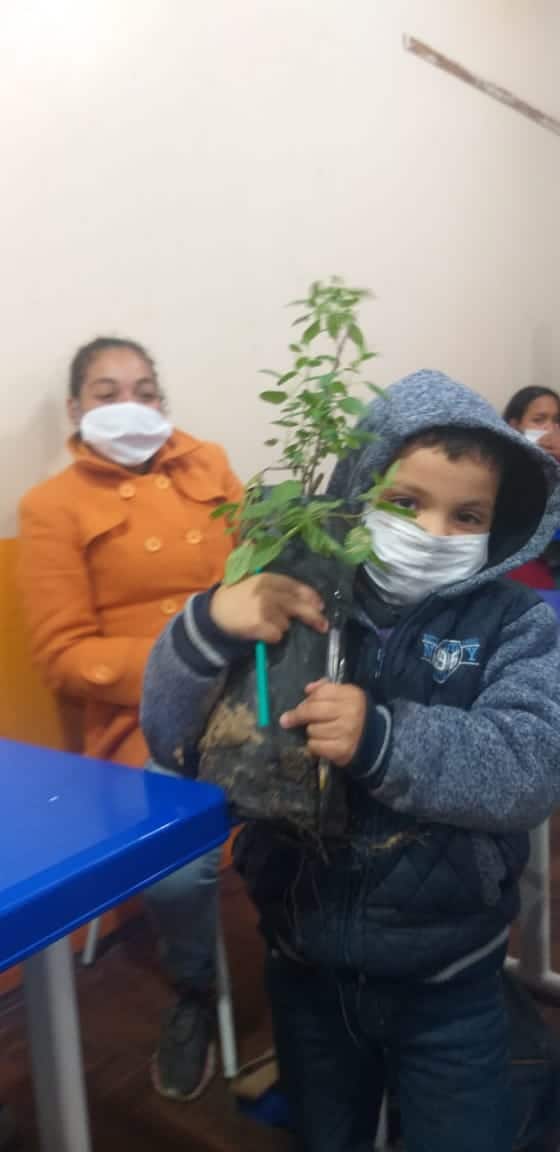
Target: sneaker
(185,1062)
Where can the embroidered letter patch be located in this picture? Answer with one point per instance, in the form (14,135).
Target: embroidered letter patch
(446,656)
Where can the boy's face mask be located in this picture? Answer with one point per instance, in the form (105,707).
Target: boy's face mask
(417,563)
(128,433)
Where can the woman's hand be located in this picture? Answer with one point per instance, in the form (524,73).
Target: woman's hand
(261,607)
(334,716)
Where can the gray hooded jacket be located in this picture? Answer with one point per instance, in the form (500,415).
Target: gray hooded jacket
(461,751)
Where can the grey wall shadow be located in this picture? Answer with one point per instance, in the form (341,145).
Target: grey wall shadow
(545,357)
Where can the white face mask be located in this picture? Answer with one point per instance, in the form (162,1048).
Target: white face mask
(534,434)
(417,563)
(127,433)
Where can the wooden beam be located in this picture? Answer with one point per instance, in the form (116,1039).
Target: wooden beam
(503,95)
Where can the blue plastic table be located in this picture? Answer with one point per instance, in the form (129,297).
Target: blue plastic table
(77,837)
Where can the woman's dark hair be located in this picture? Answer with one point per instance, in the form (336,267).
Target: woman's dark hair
(87,353)
(518,405)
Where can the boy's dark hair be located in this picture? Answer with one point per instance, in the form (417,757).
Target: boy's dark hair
(87,353)
(516,407)
(522,492)
(475,443)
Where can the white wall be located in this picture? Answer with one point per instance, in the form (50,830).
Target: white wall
(175,171)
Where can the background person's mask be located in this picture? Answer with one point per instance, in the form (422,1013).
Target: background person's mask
(128,433)
(534,434)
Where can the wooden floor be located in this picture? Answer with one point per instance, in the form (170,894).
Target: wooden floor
(121,1001)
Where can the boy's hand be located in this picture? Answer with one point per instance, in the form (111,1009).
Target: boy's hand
(334,715)
(261,607)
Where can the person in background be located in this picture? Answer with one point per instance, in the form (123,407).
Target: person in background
(109,549)
(535,413)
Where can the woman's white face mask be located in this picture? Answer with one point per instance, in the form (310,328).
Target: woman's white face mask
(534,434)
(415,563)
(128,433)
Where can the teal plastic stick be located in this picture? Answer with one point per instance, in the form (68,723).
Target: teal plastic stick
(263,699)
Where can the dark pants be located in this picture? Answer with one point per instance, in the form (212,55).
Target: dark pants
(184,909)
(336,1034)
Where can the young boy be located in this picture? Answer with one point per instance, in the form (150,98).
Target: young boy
(449,731)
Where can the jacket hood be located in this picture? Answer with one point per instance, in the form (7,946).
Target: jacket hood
(528,508)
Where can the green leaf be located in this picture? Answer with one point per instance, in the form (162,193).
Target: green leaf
(256,511)
(283,493)
(273,397)
(265,551)
(310,398)
(269,372)
(357,545)
(334,324)
(391,474)
(302,319)
(321,509)
(311,332)
(353,406)
(313,536)
(223,510)
(271,442)
(238,563)
(318,540)
(287,376)
(376,389)
(395,510)
(355,335)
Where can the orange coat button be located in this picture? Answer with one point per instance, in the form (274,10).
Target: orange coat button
(162,482)
(152,544)
(101,674)
(169,607)
(127,490)
(194,536)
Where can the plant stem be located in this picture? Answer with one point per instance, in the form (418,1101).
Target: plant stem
(309,479)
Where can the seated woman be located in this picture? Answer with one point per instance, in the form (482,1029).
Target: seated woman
(110,548)
(535,412)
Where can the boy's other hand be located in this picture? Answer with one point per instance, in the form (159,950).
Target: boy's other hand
(334,716)
(261,607)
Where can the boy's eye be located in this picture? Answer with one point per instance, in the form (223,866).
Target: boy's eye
(471,518)
(401,501)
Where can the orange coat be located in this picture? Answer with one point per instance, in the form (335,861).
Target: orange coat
(106,557)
